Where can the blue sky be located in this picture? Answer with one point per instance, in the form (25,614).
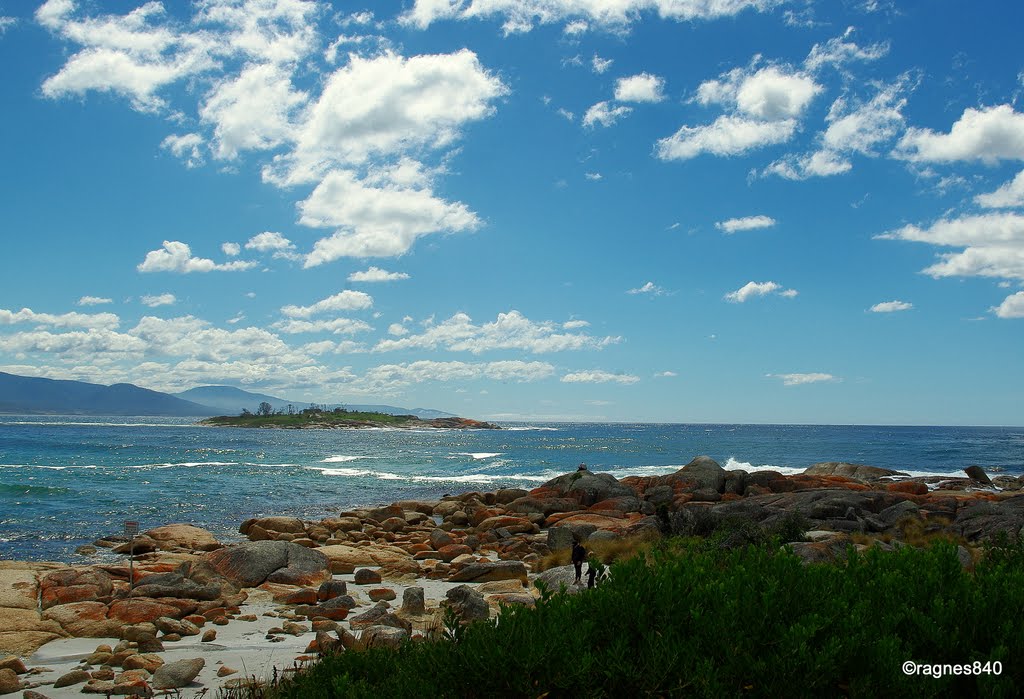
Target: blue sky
(628,210)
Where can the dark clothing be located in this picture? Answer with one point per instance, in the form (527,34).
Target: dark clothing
(579,554)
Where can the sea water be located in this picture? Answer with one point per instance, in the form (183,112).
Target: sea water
(66,481)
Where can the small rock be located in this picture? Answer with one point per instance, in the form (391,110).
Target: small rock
(365,576)
(178,674)
(72,678)
(104,673)
(290,627)
(331,589)
(32,694)
(143,661)
(171,637)
(224,671)
(382,593)
(210,635)
(977,473)
(412,601)
(98,687)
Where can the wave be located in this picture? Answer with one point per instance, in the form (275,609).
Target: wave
(530,428)
(480,454)
(73,423)
(342,459)
(19,489)
(412,478)
(733,464)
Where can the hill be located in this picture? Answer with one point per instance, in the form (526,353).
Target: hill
(31,395)
(230,400)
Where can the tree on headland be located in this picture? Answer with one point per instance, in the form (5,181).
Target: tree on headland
(265,408)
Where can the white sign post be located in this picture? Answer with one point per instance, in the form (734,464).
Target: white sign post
(130,530)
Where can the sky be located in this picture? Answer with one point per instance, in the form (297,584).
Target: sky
(765,211)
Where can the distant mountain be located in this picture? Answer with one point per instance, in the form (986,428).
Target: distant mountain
(30,395)
(231,401)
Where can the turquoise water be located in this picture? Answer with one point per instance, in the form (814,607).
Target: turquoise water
(65,481)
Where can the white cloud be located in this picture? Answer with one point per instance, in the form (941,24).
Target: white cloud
(385,106)
(253,110)
(269,241)
(993,245)
(769,94)
(648,288)
(891,307)
(389,377)
(989,134)
(575,324)
(801,379)
(604,114)
(376,274)
(185,147)
(1009,195)
(1011,307)
(593,176)
(746,223)
(666,375)
(575,28)
(726,136)
(93,301)
(565,114)
(380,221)
(599,376)
(177,257)
(852,128)
(755,289)
(397,330)
(838,51)
(510,330)
(160,300)
(522,15)
(600,65)
(92,321)
(231,249)
(6,23)
(347,300)
(336,326)
(642,87)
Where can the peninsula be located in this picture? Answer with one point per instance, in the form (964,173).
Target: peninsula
(339,418)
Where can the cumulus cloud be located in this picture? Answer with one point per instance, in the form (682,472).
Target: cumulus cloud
(648,288)
(1009,195)
(763,107)
(575,324)
(726,136)
(397,330)
(666,375)
(746,223)
(347,300)
(94,321)
(988,134)
(600,65)
(599,376)
(756,289)
(853,128)
(231,249)
(1011,307)
(841,50)
(388,105)
(523,15)
(176,256)
(93,301)
(269,241)
(158,300)
(186,147)
(605,114)
(388,377)
(510,330)
(376,274)
(336,326)
(642,87)
(891,307)
(993,245)
(801,379)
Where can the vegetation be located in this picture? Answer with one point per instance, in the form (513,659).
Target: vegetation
(689,617)
(266,416)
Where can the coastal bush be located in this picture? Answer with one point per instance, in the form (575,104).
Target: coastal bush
(689,618)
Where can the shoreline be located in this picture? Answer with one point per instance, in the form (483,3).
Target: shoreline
(57,615)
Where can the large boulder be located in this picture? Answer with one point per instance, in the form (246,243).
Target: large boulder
(340,555)
(84,620)
(138,610)
(183,537)
(178,674)
(858,472)
(18,588)
(554,579)
(74,585)
(704,472)
(468,603)
(256,562)
(175,585)
(588,487)
(490,571)
(977,473)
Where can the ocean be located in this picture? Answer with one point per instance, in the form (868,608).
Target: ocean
(66,481)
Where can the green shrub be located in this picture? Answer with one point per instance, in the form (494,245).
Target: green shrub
(689,618)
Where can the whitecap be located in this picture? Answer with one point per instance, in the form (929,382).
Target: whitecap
(338,459)
(525,428)
(480,454)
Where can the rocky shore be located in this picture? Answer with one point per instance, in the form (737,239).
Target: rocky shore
(195,614)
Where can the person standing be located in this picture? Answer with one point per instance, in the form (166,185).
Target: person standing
(579,554)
